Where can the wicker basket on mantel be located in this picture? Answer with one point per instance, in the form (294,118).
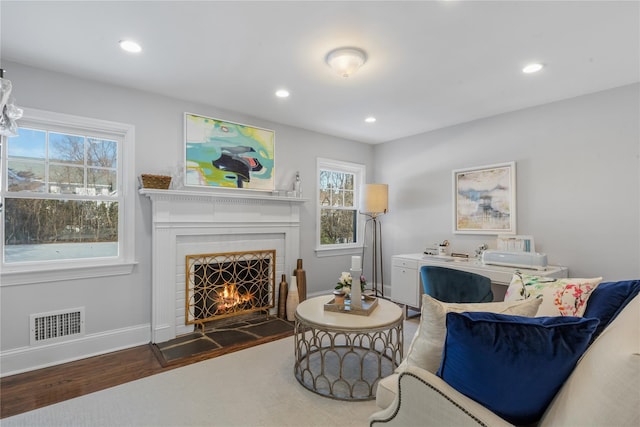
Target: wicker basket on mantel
(160,182)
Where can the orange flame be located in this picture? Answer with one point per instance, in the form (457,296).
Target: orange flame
(230,297)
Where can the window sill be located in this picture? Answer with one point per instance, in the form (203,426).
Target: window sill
(323,252)
(26,276)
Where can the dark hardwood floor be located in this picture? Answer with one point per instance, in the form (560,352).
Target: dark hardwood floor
(35,389)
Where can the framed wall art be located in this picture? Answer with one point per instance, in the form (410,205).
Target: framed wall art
(224,154)
(484,199)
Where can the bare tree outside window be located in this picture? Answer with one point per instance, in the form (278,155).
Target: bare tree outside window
(57,166)
(338,214)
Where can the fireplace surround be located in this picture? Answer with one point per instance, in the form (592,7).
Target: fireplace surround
(185,223)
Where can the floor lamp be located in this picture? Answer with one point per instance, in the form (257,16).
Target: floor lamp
(374,202)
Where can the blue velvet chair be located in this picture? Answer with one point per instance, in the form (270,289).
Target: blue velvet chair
(449,285)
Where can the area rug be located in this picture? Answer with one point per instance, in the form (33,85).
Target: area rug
(254,387)
(221,338)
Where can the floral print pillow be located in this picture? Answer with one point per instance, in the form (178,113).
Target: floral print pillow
(560,297)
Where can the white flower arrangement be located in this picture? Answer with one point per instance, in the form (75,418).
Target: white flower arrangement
(346,281)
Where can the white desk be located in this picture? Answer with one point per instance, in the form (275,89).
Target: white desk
(406,285)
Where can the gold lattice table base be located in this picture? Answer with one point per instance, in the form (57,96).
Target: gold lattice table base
(342,358)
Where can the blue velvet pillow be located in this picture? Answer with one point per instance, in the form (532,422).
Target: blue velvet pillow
(608,299)
(512,365)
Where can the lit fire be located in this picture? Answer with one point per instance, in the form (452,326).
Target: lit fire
(230,297)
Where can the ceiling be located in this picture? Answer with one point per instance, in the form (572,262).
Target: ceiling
(431,64)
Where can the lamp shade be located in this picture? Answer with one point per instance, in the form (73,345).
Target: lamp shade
(375,198)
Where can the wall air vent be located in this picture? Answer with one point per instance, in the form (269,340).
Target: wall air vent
(56,326)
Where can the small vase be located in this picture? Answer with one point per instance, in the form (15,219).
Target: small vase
(282,297)
(297,185)
(301,279)
(292,299)
(338,297)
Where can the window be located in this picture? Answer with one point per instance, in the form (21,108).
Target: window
(338,222)
(64,199)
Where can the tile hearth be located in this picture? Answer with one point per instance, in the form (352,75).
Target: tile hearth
(223,337)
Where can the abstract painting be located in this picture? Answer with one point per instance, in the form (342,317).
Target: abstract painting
(485,199)
(228,155)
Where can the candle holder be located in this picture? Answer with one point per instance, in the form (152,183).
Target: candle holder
(356,289)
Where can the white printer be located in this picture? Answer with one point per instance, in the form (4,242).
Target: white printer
(531,260)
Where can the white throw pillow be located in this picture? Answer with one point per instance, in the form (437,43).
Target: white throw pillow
(426,347)
(560,297)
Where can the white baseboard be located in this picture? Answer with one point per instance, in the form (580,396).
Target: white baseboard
(387,291)
(163,333)
(26,359)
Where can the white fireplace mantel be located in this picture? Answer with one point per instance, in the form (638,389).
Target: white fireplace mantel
(212,221)
(230,196)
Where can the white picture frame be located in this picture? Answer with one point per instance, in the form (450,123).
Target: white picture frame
(484,199)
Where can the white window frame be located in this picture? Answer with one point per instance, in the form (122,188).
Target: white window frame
(359,170)
(57,270)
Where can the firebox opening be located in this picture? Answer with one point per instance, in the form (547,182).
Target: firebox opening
(229,284)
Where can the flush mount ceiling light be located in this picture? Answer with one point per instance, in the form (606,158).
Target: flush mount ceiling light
(130,46)
(370,119)
(532,68)
(282,93)
(346,60)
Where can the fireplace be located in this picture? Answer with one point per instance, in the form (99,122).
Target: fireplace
(229,284)
(226,221)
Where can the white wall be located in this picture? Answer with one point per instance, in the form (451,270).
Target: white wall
(118,309)
(578,182)
(578,194)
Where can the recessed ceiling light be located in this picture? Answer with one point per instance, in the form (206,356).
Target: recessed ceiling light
(130,46)
(370,119)
(282,93)
(532,68)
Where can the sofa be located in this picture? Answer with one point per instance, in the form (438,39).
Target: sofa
(601,386)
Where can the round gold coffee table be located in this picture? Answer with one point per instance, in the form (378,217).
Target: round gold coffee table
(343,356)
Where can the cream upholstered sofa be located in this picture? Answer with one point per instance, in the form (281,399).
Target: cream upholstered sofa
(602,390)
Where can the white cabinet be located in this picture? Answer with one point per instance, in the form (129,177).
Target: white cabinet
(406,286)
(404,277)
